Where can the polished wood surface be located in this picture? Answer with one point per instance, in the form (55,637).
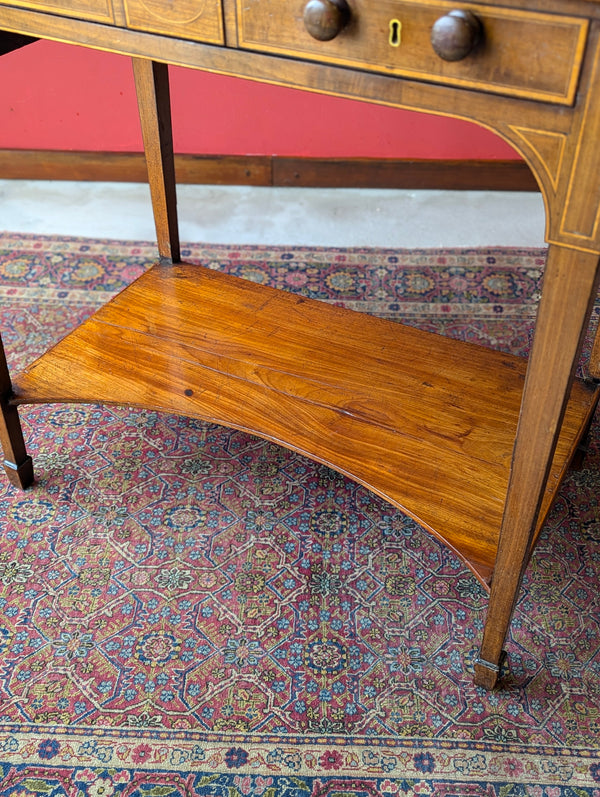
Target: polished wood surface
(509,63)
(426,422)
(407,414)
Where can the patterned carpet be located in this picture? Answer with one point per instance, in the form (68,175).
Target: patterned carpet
(189,610)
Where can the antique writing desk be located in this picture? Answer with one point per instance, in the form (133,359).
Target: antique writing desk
(472,443)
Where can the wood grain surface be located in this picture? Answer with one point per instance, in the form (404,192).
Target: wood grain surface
(275,170)
(425,421)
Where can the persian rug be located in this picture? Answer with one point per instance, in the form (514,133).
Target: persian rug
(189,610)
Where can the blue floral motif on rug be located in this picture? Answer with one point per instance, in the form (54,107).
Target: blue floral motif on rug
(186,609)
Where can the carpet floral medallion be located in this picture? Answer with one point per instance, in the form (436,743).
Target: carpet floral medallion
(190,610)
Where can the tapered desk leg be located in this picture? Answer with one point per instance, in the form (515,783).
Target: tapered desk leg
(154,104)
(594,366)
(16,462)
(569,289)
(593,372)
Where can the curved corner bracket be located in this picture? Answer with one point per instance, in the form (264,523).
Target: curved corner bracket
(544,151)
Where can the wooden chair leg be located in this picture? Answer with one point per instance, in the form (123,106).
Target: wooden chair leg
(154,105)
(16,462)
(559,334)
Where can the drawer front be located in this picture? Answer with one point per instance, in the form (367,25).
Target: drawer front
(520,53)
(95,10)
(198,20)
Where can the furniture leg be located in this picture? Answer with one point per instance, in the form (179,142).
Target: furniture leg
(154,105)
(594,364)
(16,462)
(582,448)
(559,334)
(593,371)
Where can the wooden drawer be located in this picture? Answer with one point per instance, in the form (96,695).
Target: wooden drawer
(199,20)
(95,10)
(521,53)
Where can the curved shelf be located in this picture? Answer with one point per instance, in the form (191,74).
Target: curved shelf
(426,422)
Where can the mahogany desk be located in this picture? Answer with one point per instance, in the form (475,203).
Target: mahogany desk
(470,442)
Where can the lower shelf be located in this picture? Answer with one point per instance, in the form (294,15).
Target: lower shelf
(426,422)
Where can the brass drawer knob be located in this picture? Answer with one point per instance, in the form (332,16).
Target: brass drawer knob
(455,35)
(324,19)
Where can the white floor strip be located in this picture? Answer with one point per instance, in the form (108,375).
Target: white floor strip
(271,216)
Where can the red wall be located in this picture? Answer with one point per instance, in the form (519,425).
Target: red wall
(56,96)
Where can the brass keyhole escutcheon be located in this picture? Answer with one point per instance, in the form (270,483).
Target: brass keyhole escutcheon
(395,32)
